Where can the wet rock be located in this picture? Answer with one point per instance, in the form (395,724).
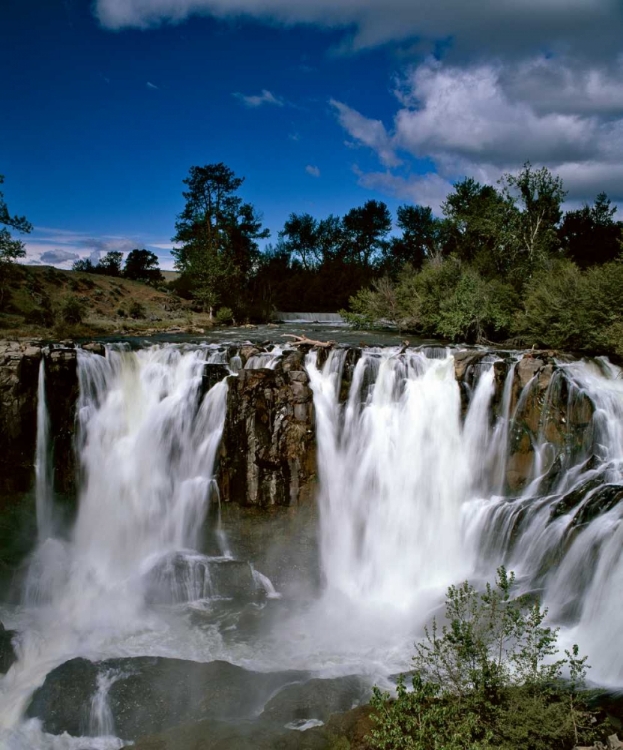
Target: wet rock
(353,355)
(347,730)
(316,699)
(233,578)
(7,652)
(62,390)
(548,411)
(572,499)
(604,499)
(247,351)
(95,347)
(151,695)
(190,577)
(212,374)
(464,360)
(268,454)
(19,377)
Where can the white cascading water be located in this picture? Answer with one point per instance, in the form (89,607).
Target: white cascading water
(390,508)
(412,496)
(43,463)
(147,445)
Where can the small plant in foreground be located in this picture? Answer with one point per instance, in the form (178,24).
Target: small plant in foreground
(488,678)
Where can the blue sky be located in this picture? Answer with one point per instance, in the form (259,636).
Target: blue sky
(319,105)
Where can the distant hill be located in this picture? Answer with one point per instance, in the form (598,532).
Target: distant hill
(39,294)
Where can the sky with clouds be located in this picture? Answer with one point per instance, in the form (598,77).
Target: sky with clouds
(320,105)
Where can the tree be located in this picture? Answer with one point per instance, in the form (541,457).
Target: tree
(216,235)
(590,235)
(301,237)
(420,239)
(110,264)
(479,222)
(10,249)
(84,265)
(365,233)
(142,265)
(539,196)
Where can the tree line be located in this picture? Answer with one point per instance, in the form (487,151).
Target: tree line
(501,262)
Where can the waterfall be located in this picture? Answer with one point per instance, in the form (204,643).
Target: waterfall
(101,720)
(413,493)
(147,443)
(396,468)
(424,480)
(43,462)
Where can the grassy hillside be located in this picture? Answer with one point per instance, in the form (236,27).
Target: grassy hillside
(39,296)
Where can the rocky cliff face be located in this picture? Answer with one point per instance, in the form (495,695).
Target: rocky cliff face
(19,379)
(268,451)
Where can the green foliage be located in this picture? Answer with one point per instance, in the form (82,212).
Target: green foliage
(72,310)
(142,265)
(110,264)
(224,316)
(11,249)
(447,298)
(137,310)
(83,265)
(216,236)
(487,678)
(566,308)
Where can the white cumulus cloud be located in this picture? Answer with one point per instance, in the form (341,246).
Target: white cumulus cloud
(312,170)
(507,27)
(478,120)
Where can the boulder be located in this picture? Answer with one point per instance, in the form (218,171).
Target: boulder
(152,694)
(316,699)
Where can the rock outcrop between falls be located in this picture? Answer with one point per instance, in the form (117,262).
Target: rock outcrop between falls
(268,451)
(19,378)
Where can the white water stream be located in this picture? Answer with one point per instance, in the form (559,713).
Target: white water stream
(411,499)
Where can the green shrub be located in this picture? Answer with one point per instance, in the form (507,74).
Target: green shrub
(137,310)
(566,308)
(488,678)
(447,298)
(40,316)
(72,310)
(224,316)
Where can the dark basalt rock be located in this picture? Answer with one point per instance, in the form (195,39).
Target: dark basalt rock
(212,374)
(151,695)
(268,454)
(19,377)
(7,652)
(316,699)
(600,502)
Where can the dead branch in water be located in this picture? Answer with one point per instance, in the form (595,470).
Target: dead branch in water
(304,341)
